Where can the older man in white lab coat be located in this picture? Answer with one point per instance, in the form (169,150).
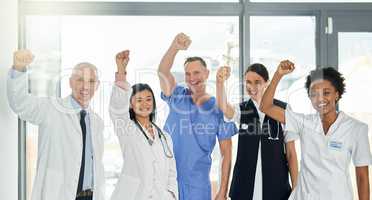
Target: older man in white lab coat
(70,141)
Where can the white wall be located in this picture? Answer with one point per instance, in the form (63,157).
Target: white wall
(8,121)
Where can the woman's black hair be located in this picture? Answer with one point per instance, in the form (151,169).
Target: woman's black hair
(330,74)
(139,87)
(260,69)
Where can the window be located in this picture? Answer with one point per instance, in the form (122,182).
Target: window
(97,39)
(275,38)
(355,63)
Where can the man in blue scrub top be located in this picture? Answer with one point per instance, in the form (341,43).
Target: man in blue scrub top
(194,122)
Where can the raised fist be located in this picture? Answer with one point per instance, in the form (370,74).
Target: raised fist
(122,59)
(21,59)
(223,73)
(181,42)
(285,67)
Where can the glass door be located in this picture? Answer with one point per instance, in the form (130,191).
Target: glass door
(350,50)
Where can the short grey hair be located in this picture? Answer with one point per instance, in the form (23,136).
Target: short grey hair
(83,65)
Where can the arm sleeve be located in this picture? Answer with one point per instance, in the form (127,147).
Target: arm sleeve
(119,105)
(361,152)
(294,123)
(226,129)
(236,117)
(178,93)
(29,107)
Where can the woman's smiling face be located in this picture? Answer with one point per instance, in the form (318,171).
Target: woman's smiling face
(255,85)
(323,96)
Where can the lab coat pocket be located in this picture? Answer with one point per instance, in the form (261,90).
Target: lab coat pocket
(52,185)
(308,196)
(126,188)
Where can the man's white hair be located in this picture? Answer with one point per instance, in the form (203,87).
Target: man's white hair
(83,65)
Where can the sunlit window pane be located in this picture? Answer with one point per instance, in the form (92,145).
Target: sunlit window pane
(355,63)
(97,39)
(277,38)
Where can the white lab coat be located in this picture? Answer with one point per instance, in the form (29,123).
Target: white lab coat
(143,177)
(326,159)
(59,142)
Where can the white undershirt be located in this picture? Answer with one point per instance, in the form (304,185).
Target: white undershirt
(257,192)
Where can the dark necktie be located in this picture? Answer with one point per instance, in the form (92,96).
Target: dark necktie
(83,113)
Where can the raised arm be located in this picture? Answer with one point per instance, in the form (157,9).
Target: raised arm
(167,80)
(222,75)
(122,60)
(30,108)
(267,106)
(119,102)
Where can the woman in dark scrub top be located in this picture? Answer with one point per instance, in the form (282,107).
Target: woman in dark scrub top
(260,173)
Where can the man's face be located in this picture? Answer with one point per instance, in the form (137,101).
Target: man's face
(195,76)
(84,82)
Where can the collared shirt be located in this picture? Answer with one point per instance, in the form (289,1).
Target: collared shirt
(194,130)
(59,140)
(88,168)
(326,157)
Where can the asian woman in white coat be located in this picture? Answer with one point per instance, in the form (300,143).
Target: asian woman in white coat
(330,139)
(149,168)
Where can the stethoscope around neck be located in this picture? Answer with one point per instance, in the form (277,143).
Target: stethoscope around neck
(269,130)
(166,148)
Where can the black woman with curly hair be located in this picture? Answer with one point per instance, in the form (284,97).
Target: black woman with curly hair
(330,139)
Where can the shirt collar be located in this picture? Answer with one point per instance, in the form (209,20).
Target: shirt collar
(76,105)
(257,107)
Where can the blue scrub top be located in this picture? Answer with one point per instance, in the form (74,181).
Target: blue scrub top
(194,130)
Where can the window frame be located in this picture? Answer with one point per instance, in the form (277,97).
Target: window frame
(244,9)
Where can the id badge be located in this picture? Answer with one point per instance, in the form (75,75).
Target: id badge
(335,145)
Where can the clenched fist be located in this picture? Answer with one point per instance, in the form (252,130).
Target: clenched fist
(21,59)
(223,73)
(181,42)
(122,59)
(285,67)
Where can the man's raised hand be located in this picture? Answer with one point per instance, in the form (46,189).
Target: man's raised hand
(223,73)
(181,42)
(21,59)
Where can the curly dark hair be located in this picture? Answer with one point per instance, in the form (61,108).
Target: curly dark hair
(330,74)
